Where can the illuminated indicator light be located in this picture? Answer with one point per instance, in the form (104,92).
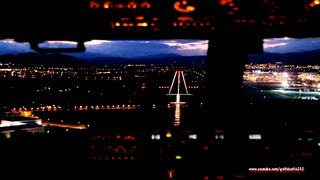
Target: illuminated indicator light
(120,6)
(94,4)
(255,137)
(193,136)
(206,148)
(185,18)
(221,137)
(180,24)
(155,19)
(170,174)
(299,139)
(318,144)
(155,137)
(106,5)
(152,24)
(220,177)
(139,18)
(145,5)
(226,2)
(190,8)
(174,24)
(223,2)
(187,9)
(125,24)
(316,2)
(168,135)
(118,137)
(132,5)
(310,139)
(178,157)
(144,24)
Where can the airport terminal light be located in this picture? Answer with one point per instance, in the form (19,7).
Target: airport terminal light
(285,84)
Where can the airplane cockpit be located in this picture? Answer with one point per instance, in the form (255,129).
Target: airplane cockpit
(190,89)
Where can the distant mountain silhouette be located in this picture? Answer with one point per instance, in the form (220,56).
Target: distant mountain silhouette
(149,60)
(159,56)
(308,57)
(40,59)
(66,60)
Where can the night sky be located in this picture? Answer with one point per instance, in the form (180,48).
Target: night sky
(291,45)
(133,49)
(126,49)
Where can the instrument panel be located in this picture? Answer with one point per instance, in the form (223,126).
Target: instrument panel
(155,16)
(129,19)
(269,17)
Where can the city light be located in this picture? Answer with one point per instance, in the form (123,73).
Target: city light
(39,122)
